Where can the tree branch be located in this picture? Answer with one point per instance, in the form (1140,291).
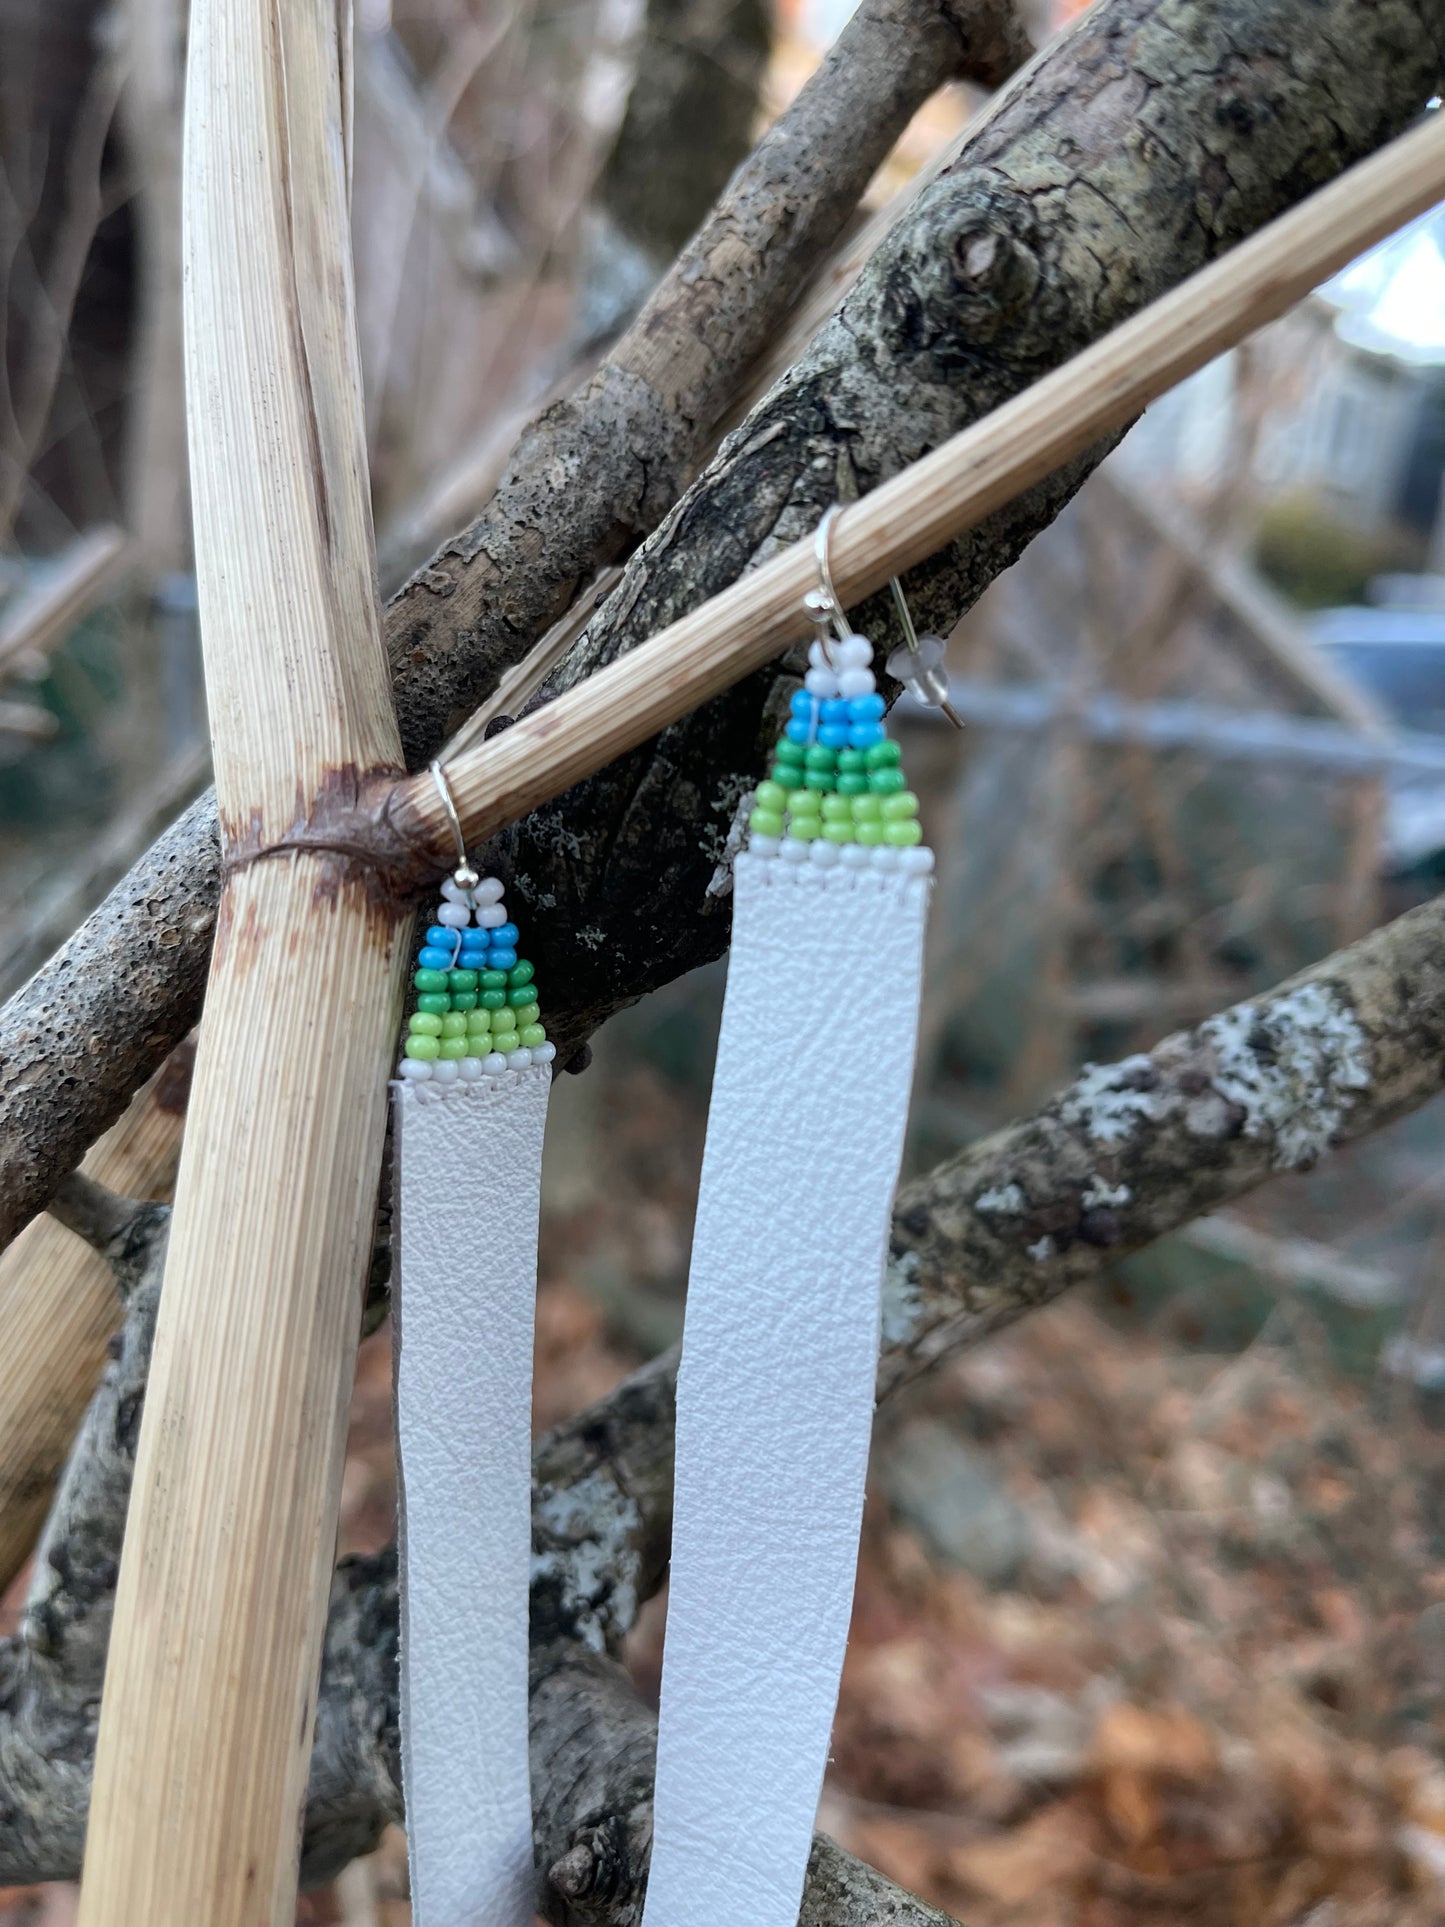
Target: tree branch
(591,474)
(1123,1155)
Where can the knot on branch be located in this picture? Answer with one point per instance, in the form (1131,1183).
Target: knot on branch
(596,1870)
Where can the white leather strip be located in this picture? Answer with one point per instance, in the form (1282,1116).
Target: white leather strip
(776,1388)
(469,1161)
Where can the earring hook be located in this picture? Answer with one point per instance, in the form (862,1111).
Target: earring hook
(464,876)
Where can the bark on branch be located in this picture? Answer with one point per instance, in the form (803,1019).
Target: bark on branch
(591,475)
(1124,1154)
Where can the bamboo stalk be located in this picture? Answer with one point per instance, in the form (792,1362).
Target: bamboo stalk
(58,1309)
(933,501)
(205,1728)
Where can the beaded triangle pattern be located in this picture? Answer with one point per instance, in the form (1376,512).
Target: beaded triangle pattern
(477,1012)
(837,793)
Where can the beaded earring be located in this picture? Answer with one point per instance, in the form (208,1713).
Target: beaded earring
(780,1346)
(470,1112)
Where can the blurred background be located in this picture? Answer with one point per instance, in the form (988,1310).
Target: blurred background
(1151,1612)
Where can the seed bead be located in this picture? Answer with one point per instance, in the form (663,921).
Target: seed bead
(461,980)
(853,782)
(787,777)
(903,835)
(887,782)
(463,1000)
(426,979)
(425,1024)
(766,822)
(820,756)
(838,832)
(479,1023)
(521,973)
(454,1024)
(868,833)
(899,806)
(803,829)
(837,809)
(422,1047)
(788,752)
(770,796)
(492,999)
(884,755)
(435,1002)
(867,808)
(532,1036)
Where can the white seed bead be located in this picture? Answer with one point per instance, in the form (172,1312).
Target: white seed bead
(544,1053)
(469,1069)
(453,891)
(444,1070)
(823,853)
(818,657)
(794,850)
(489,890)
(856,682)
(822,683)
(763,845)
(853,652)
(917,861)
(883,857)
(853,856)
(494,1063)
(491,914)
(455,916)
(519,1059)
(414,1069)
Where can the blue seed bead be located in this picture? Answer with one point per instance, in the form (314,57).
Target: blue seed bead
(865,735)
(835,710)
(802,705)
(866,709)
(505,935)
(474,940)
(440,938)
(501,959)
(834,735)
(433,957)
(798,731)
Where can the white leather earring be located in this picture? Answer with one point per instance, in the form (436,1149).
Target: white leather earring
(470,1111)
(780,1347)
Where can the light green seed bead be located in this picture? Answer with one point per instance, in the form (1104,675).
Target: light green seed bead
(805,803)
(839,832)
(532,1036)
(771,796)
(425,1024)
(452,1047)
(766,823)
(868,833)
(804,828)
(867,809)
(903,835)
(898,808)
(479,1023)
(837,809)
(528,1014)
(508,1041)
(423,1047)
(454,1024)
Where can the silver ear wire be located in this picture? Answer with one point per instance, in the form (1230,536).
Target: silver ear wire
(464,876)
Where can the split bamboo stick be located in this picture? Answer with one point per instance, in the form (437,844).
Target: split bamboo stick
(936,499)
(206,1721)
(58,1309)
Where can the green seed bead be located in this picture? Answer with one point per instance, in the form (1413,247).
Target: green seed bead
(839,833)
(492,999)
(771,796)
(903,835)
(898,807)
(454,1024)
(528,1014)
(430,979)
(479,1023)
(789,752)
(423,1047)
(435,1002)
(494,980)
(868,833)
(462,979)
(853,782)
(867,808)
(806,803)
(884,755)
(822,779)
(522,994)
(887,782)
(837,809)
(521,972)
(425,1023)
(504,1040)
(766,822)
(818,756)
(803,828)
(787,776)
(851,760)
(532,1036)
(452,1047)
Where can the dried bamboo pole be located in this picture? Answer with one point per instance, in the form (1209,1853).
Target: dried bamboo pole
(936,499)
(205,1727)
(59,1307)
